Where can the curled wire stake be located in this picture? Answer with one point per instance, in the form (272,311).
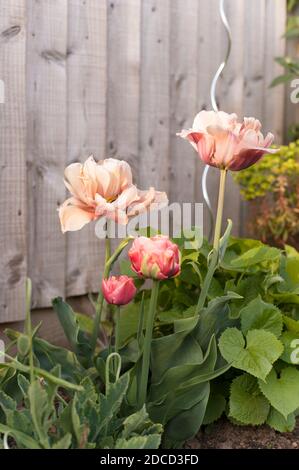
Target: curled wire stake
(107,369)
(215,108)
(5,441)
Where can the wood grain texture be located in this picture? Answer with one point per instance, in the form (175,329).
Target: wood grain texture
(124,55)
(154,95)
(13,251)
(275,45)
(116,78)
(86,111)
(47,145)
(184,66)
(291,109)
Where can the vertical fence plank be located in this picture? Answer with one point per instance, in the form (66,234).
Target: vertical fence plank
(232,94)
(154,101)
(275,44)
(291,109)
(46,150)
(87,68)
(12,161)
(254,58)
(124,80)
(184,67)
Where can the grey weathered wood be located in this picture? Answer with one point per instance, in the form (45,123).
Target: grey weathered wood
(12,161)
(154,95)
(116,78)
(291,109)
(273,99)
(184,66)
(47,145)
(124,52)
(86,111)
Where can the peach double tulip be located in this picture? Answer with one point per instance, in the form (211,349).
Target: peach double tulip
(156,257)
(223,142)
(118,290)
(103,189)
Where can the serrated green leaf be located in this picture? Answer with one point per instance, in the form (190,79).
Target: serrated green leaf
(23,344)
(111,402)
(22,439)
(6,402)
(139,442)
(24,385)
(259,315)
(278,422)
(261,350)
(63,443)
(40,410)
(246,403)
(133,422)
(282,392)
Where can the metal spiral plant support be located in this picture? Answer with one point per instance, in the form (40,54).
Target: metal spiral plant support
(215,108)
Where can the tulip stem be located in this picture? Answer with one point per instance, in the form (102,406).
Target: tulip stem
(147,344)
(100,300)
(117,319)
(215,253)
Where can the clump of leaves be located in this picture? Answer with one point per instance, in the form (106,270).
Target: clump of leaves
(274,184)
(253,311)
(47,418)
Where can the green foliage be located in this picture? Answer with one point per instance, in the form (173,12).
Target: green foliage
(256,355)
(252,313)
(247,404)
(282,391)
(273,183)
(86,420)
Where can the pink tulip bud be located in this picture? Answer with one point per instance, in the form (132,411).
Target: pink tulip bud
(118,290)
(156,257)
(225,143)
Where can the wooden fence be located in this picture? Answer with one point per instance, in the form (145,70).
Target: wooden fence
(114,78)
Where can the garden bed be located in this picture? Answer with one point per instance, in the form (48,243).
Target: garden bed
(225,435)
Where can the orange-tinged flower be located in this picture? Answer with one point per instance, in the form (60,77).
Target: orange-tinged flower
(118,290)
(103,189)
(223,142)
(156,257)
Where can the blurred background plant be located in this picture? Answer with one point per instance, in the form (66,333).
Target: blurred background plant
(273,187)
(290,62)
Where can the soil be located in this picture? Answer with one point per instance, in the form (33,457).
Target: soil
(225,435)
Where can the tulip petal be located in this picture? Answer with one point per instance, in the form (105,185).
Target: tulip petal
(73,216)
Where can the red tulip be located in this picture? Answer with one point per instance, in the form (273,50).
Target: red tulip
(225,143)
(118,290)
(156,257)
